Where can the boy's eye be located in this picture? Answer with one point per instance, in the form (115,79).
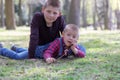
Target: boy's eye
(48,11)
(68,34)
(74,36)
(54,13)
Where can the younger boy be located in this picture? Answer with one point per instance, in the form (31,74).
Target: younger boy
(69,39)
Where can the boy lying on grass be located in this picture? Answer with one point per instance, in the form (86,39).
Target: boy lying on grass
(66,45)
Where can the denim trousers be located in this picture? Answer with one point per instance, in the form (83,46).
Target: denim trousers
(22,53)
(18,54)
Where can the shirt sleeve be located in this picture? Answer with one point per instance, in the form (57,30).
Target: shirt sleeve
(52,50)
(81,52)
(34,35)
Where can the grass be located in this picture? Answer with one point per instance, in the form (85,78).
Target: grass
(101,63)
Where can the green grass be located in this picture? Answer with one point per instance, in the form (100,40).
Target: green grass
(101,63)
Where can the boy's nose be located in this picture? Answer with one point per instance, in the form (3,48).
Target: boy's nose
(71,38)
(51,15)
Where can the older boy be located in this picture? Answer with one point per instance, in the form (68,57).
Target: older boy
(45,26)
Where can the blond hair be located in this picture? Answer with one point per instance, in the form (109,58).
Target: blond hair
(71,26)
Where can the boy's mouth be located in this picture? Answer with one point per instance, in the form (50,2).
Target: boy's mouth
(70,42)
(49,19)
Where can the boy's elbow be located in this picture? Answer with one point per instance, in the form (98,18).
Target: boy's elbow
(83,56)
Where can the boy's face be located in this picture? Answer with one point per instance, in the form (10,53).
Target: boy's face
(51,14)
(70,37)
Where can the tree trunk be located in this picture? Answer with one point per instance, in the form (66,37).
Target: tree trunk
(106,19)
(94,15)
(117,14)
(2,13)
(74,12)
(84,14)
(9,12)
(66,9)
(20,13)
(30,13)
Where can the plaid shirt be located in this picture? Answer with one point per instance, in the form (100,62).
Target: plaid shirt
(53,50)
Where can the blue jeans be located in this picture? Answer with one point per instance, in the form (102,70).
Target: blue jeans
(20,53)
(40,50)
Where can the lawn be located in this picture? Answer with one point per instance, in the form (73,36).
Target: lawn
(102,61)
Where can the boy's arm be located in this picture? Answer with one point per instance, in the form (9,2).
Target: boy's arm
(77,52)
(51,51)
(34,36)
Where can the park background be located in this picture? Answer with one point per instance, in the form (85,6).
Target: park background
(103,14)
(99,22)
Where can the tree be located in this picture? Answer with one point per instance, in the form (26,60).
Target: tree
(84,14)
(106,18)
(2,13)
(117,14)
(20,12)
(66,9)
(94,14)
(74,12)
(9,13)
(34,6)
(102,13)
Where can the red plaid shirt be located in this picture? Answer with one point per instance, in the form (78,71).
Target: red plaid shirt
(53,50)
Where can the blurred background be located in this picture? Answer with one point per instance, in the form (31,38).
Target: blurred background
(94,14)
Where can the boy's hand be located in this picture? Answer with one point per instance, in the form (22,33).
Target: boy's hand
(73,47)
(74,43)
(50,60)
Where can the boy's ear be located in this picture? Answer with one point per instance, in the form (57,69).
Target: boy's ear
(60,13)
(62,34)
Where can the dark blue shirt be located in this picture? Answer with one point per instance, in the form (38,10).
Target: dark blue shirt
(41,34)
